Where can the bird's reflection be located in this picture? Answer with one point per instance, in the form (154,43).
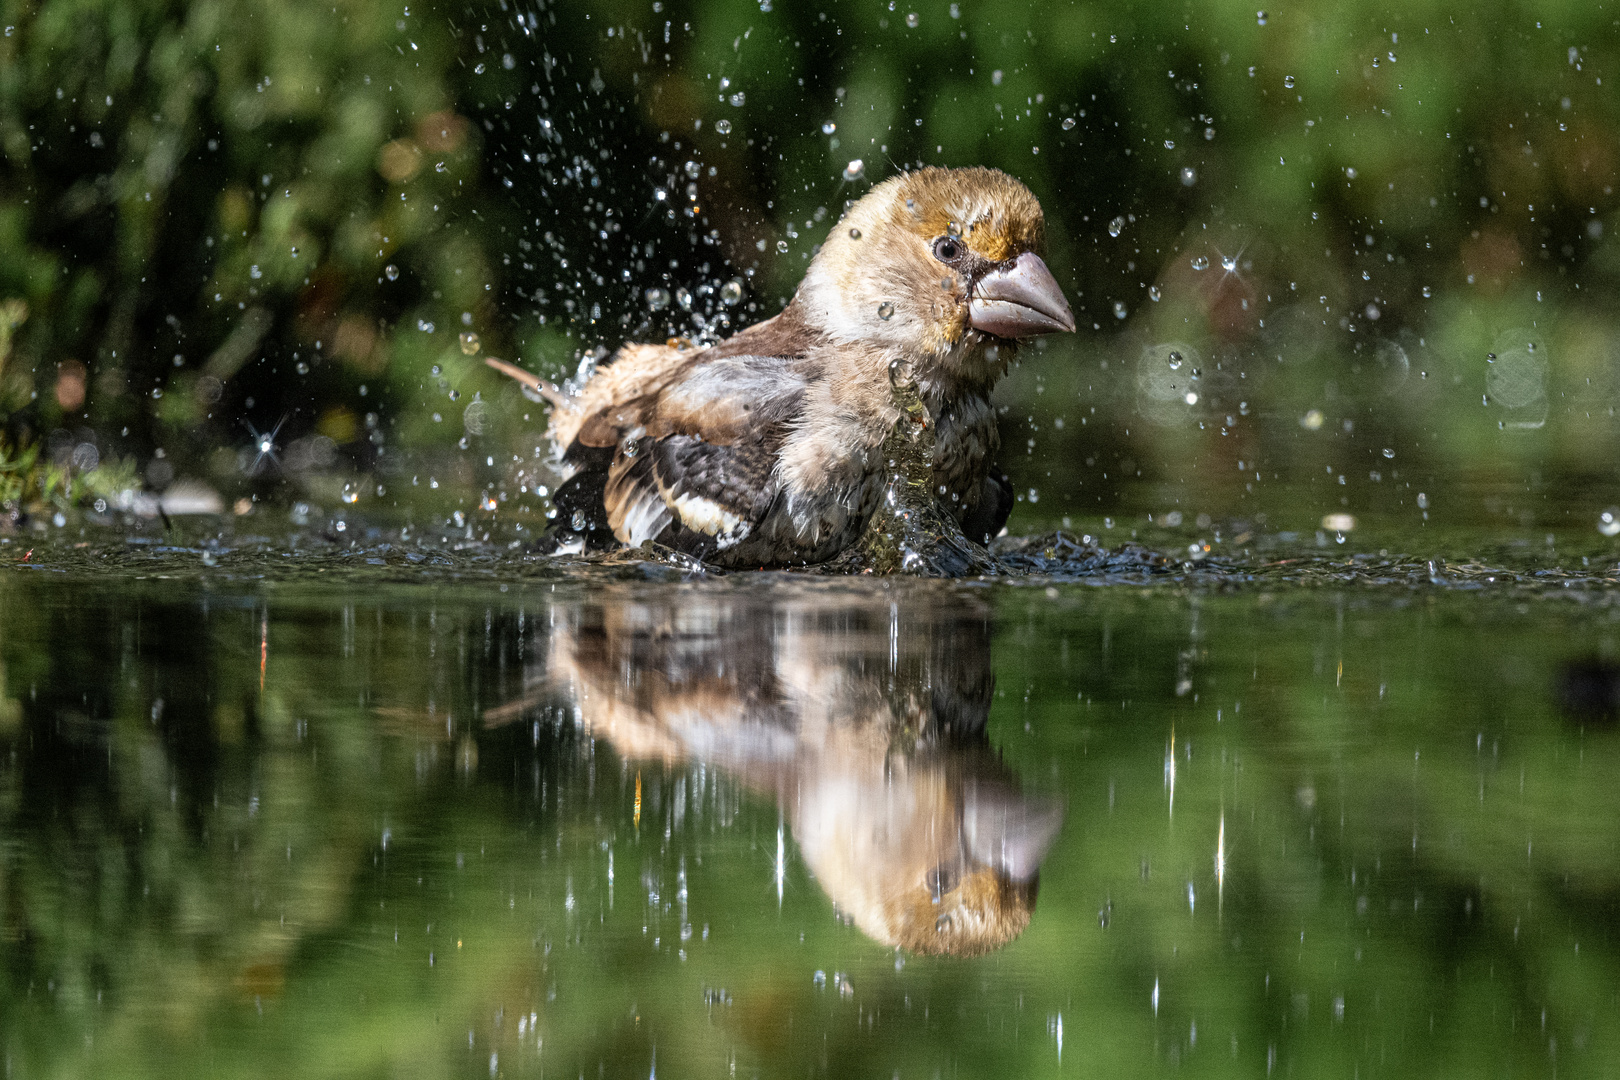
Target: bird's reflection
(864,719)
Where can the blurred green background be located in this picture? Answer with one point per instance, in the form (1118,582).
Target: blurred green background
(1326,258)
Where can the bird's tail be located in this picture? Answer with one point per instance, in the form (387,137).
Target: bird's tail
(545,389)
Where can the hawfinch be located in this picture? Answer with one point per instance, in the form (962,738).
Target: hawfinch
(764,450)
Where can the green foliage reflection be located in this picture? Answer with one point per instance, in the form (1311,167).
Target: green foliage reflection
(1312,834)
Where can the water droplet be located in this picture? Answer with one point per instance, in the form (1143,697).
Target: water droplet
(303,368)
(1189,176)
(1350,172)
(854,234)
(1175,360)
(1116,226)
(1229,263)
(911,19)
(885,311)
(254,272)
(1200,262)
(693,169)
(1169,144)
(828,128)
(723,126)
(1288,81)
(1068,123)
(781,247)
(1427,291)
(1209,133)
(1192,397)
(1312,421)
(469,343)
(577,521)
(657,299)
(738,99)
(1388,452)
(1119,309)
(1154,294)
(1609,522)
(1260,17)
(854,170)
(684,299)
(391,272)
(731,293)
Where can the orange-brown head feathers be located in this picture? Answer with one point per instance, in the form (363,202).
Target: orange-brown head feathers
(994,214)
(911,266)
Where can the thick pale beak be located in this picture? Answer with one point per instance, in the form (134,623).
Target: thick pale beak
(1009,831)
(1022,299)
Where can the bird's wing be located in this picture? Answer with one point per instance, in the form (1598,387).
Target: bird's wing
(697,471)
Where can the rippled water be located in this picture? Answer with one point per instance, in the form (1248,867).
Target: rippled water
(294,806)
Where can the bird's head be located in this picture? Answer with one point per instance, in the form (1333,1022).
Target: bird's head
(937,263)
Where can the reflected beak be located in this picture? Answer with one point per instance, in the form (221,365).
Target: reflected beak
(1021,299)
(1009,831)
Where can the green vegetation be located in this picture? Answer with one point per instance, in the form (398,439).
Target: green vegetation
(228,215)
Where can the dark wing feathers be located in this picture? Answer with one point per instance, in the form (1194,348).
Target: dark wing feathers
(983,523)
(693,464)
(690,495)
(737,477)
(683,450)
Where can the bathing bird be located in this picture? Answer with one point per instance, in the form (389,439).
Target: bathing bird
(764,449)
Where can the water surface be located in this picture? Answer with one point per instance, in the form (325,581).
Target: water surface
(387,815)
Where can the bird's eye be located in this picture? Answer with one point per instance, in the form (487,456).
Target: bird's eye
(947,249)
(940,880)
